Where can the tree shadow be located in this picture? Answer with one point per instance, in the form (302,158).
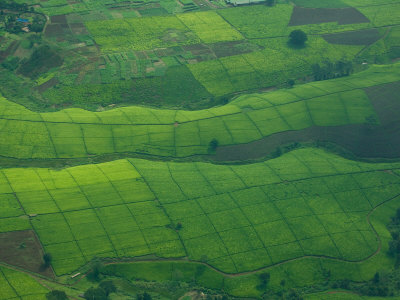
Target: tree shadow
(294,46)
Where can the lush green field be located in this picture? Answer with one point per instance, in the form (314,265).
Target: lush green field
(142,53)
(156,32)
(16,285)
(236,218)
(269,67)
(78,133)
(161,217)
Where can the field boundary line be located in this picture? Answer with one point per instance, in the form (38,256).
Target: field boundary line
(93,209)
(163,208)
(10,285)
(248,220)
(125,205)
(312,210)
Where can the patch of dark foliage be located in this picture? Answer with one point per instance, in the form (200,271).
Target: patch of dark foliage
(343,16)
(42,59)
(359,37)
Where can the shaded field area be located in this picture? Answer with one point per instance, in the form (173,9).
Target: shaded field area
(363,140)
(22,249)
(234,218)
(360,37)
(343,16)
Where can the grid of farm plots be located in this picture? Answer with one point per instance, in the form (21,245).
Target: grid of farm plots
(78,133)
(236,218)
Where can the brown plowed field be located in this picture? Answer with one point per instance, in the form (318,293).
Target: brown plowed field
(22,249)
(359,37)
(305,16)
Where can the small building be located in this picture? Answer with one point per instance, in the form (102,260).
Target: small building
(243,2)
(22,20)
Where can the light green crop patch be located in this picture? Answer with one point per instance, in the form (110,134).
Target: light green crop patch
(157,32)
(210,27)
(264,68)
(15,284)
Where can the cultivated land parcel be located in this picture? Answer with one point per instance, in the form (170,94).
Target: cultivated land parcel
(184,146)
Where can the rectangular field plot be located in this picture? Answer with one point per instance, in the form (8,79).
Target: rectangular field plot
(259,21)
(140,34)
(210,27)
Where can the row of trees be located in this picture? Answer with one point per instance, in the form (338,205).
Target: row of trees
(11,5)
(330,70)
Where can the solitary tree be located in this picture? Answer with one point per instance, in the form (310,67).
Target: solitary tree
(298,37)
(213,145)
(47,260)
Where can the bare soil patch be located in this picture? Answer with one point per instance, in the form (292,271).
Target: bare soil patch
(54,30)
(347,15)
(48,84)
(58,19)
(359,37)
(11,49)
(363,140)
(78,29)
(22,249)
(224,49)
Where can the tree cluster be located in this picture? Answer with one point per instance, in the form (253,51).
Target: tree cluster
(264,280)
(12,5)
(330,70)
(144,296)
(394,244)
(101,292)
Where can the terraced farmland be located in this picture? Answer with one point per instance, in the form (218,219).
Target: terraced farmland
(77,133)
(192,149)
(306,203)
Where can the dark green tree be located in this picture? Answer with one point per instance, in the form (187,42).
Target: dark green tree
(96,271)
(264,280)
(298,37)
(56,295)
(376,278)
(108,286)
(178,226)
(95,294)
(47,258)
(213,145)
(144,296)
